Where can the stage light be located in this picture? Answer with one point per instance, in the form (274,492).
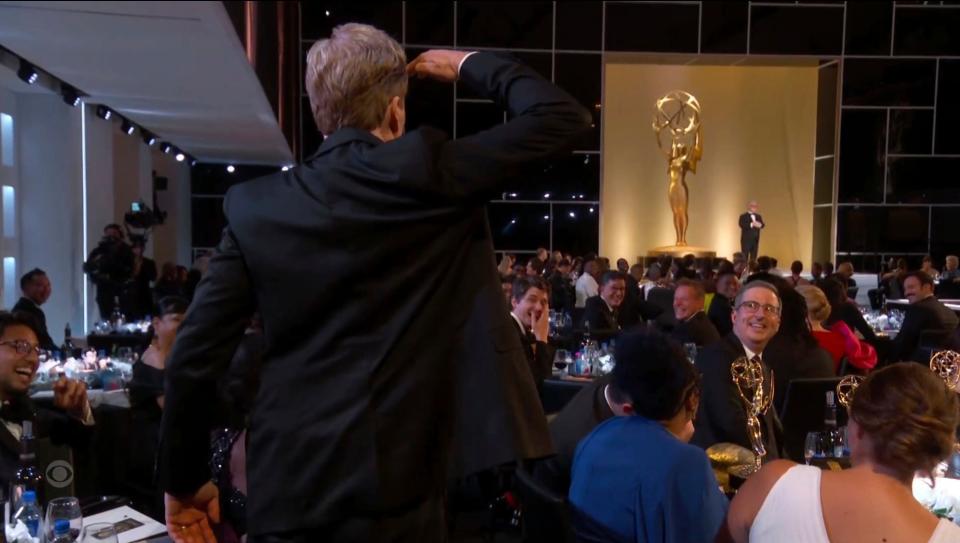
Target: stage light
(165,148)
(573,215)
(128,127)
(231,169)
(513,221)
(104,113)
(27,72)
(326,12)
(591,210)
(180,157)
(148,137)
(546,217)
(546,195)
(70,95)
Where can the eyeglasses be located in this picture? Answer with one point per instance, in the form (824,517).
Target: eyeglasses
(22,347)
(754,307)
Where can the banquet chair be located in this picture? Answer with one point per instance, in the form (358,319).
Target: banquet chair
(803,411)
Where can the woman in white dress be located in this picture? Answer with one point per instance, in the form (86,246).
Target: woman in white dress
(903,421)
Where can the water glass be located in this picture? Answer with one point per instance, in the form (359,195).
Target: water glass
(101,532)
(812,446)
(63,508)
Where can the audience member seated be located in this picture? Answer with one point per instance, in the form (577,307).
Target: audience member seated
(845,271)
(926,316)
(167,284)
(692,326)
(949,287)
(562,295)
(146,406)
(794,353)
(35,286)
(67,423)
(795,279)
(843,310)
(839,340)
(534,267)
(506,286)
(902,422)
(586,286)
(653,278)
(506,265)
(600,317)
(756,319)
(595,403)
(816,273)
(764,264)
(630,310)
(530,313)
(927,268)
(635,478)
(722,305)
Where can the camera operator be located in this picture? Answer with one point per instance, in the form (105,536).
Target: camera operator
(110,266)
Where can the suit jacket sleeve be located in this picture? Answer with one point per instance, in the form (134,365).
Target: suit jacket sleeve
(745,222)
(908,338)
(206,341)
(760,220)
(725,419)
(544,119)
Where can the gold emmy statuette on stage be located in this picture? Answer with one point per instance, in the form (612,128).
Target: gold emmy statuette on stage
(678,116)
(757,395)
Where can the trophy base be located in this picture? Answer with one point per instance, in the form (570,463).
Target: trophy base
(682,250)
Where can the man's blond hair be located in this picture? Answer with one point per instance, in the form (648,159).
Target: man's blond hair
(352,75)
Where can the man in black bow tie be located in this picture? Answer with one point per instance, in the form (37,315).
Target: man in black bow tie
(66,423)
(530,313)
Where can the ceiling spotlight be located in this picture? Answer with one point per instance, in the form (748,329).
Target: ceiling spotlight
(591,210)
(193,162)
(104,113)
(27,72)
(70,95)
(180,157)
(165,148)
(546,195)
(148,137)
(546,217)
(231,169)
(128,127)
(573,215)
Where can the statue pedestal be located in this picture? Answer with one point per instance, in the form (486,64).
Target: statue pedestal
(678,251)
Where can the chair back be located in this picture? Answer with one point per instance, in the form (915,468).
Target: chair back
(803,411)
(662,297)
(56,462)
(545,515)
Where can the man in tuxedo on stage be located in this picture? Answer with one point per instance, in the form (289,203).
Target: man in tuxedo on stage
(750,225)
(361,419)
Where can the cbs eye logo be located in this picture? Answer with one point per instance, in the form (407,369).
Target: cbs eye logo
(59,474)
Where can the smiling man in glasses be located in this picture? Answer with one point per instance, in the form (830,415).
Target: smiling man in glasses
(19,360)
(722,416)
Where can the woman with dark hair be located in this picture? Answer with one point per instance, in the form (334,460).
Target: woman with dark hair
(636,477)
(146,405)
(903,421)
(842,309)
(794,353)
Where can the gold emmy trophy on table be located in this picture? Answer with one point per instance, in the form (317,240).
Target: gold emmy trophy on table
(757,395)
(677,116)
(846,387)
(946,364)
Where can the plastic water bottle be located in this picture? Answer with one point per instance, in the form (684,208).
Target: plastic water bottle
(61,531)
(29,513)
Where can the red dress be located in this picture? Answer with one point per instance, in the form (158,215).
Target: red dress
(833,343)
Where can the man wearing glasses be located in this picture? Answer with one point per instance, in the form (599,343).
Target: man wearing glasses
(19,359)
(722,417)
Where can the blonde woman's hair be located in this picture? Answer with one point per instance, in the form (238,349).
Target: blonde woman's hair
(352,76)
(817,305)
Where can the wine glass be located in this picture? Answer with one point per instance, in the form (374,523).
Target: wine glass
(560,360)
(101,532)
(63,508)
(811,446)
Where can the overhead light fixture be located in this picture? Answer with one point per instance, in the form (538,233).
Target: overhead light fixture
(231,169)
(128,127)
(148,137)
(70,95)
(166,148)
(27,72)
(180,157)
(104,113)
(193,162)
(286,168)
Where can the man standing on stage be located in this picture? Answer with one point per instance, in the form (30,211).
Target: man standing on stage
(750,225)
(382,374)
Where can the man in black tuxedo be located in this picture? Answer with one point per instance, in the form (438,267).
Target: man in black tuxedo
(750,225)
(35,286)
(925,316)
(722,305)
(530,314)
(68,422)
(562,294)
(693,326)
(601,313)
(361,418)
(722,415)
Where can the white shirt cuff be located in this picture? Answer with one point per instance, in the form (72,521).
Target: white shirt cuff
(462,60)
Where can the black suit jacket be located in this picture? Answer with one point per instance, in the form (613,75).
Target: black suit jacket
(603,322)
(697,329)
(562,294)
(539,354)
(747,233)
(928,316)
(390,360)
(25,305)
(722,416)
(719,314)
(579,417)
